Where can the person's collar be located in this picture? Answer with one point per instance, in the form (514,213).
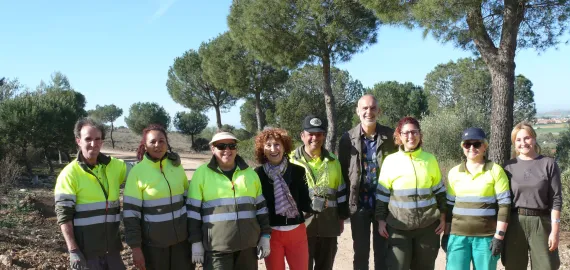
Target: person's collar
(240,163)
(488,165)
(414,153)
(300,152)
(101,159)
(363,134)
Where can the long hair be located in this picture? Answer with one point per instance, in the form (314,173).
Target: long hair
(526,126)
(141,149)
(400,126)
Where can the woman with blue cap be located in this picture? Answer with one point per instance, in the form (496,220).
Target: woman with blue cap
(478,201)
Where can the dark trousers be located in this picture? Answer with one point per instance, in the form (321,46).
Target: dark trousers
(322,251)
(360,223)
(413,249)
(529,234)
(175,257)
(240,260)
(110,261)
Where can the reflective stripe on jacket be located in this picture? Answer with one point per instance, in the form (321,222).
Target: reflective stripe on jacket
(410,193)
(89,197)
(154,204)
(226,215)
(473,200)
(324,177)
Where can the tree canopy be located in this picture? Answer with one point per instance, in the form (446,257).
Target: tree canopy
(287,35)
(142,114)
(397,100)
(189,87)
(464,86)
(107,114)
(230,66)
(300,97)
(495,30)
(191,123)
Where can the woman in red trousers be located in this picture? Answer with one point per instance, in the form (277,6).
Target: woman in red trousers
(287,197)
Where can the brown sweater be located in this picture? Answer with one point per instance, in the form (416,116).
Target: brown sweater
(535,184)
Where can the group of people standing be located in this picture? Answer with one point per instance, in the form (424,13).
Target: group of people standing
(293,206)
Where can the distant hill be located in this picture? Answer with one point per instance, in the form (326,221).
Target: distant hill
(554,113)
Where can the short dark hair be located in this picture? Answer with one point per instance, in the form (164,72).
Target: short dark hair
(88,122)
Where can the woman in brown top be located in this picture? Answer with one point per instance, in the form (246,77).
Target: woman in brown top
(537,202)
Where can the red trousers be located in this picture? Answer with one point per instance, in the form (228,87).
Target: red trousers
(291,245)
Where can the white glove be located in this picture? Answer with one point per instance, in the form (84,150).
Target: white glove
(198,253)
(308,220)
(263,246)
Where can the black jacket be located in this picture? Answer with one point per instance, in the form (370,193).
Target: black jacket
(295,178)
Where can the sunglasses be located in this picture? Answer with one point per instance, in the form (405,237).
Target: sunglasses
(468,145)
(224,146)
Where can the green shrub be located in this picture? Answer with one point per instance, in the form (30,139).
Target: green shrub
(442,134)
(246,149)
(565,215)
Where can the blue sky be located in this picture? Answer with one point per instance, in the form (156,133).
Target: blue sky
(119,52)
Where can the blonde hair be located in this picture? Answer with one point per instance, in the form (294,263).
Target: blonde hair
(526,126)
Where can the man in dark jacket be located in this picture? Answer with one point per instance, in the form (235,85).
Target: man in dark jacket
(361,152)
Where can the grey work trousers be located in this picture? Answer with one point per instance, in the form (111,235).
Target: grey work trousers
(360,224)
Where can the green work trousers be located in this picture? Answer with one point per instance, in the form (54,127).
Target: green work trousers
(175,257)
(240,260)
(414,249)
(462,250)
(529,234)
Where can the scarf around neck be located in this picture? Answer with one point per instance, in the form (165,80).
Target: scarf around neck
(284,203)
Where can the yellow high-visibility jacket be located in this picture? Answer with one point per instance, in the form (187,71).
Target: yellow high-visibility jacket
(226,215)
(410,194)
(154,204)
(89,197)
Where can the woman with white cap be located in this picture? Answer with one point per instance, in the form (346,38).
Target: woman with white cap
(227,214)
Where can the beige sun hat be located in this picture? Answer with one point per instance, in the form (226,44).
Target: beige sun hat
(223,136)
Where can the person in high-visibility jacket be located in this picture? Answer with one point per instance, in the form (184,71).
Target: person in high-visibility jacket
(410,201)
(228,220)
(155,206)
(478,199)
(87,202)
(327,190)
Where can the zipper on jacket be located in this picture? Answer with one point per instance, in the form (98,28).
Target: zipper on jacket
(171,207)
(106,208)
(417,195)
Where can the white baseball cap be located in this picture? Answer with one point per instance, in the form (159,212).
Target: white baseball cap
(223,136)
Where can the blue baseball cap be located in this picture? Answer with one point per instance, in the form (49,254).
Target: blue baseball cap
(473,133)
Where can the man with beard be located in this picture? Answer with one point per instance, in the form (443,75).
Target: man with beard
(361,151)
(327,191)
(87,202)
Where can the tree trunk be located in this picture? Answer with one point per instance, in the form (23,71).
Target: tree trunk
(329,104)
(27,162)
(112,141)
(258,113)
(50,166)
(218,116)
(59,156)
(503,88)
(67,158)
(192,146)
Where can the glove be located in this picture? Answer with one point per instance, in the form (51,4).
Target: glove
(175,158)
(496,246)
(198,253)
(444,241)
(77,260)
(263,246)
(308,219)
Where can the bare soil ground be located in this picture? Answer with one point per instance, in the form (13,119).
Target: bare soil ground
(31,239)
